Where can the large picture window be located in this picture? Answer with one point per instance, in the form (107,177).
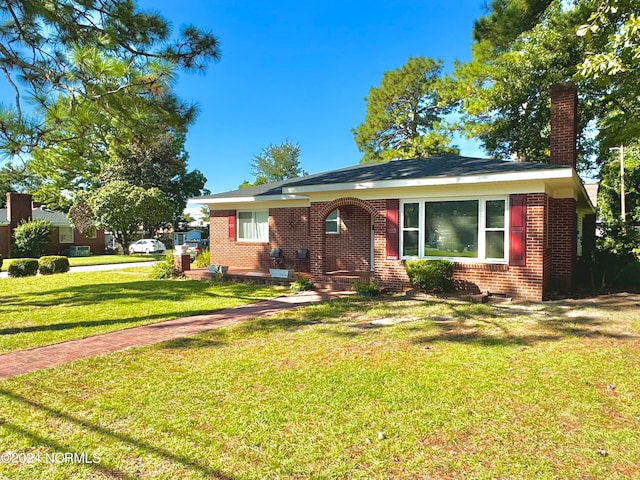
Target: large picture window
(473,229)
(253,226)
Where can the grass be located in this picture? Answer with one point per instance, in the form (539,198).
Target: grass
(101,260)
(391,388)
(41,310)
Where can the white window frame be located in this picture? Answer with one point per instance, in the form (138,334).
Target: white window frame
(91,234)
(335,221)
(482,209)
(257,237)
(61,240)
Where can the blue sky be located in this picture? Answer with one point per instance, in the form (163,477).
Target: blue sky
(300,71)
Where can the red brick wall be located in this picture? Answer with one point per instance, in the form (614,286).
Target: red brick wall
(562,243)
(288,230)
(56,248)
(294,228)
(5,240)
(526,282)
(564,124)
(18,208)
(351,248)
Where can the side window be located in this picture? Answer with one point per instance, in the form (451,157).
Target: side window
(332,223)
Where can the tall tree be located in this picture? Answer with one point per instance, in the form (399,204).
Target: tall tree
(47,52)
(405,115)
(505,91)
(121,209)
(505,88)
(275,163)
(159,160)
(612,60)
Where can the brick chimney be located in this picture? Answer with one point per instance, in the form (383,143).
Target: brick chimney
(564,124)
(18,208)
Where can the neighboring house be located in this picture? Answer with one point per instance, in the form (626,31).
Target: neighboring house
(510,227)
(63,238)
(179,238)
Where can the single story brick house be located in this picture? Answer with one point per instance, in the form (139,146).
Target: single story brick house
(511,228)
(20,207)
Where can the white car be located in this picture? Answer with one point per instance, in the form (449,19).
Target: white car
(147,245)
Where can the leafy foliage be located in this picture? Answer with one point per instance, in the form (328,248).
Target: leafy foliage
(430,275)
(405,115)
(30,238)
(203,259)
(609,205)
(302,284)
(121,208)
(23,267)
(51,264)
(56,54)
(164,269)
(612,60)
(369,288)
(275,163)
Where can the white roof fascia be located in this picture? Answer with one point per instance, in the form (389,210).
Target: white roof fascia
(421,182)
(259,198)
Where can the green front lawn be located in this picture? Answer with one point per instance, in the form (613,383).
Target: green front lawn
(101,260)
(41,310)
(111,259)
(392,388)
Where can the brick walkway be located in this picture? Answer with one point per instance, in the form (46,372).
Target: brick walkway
(24,361)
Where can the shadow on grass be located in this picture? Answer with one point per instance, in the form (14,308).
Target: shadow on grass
(83,424)
(127,292)
(455,322)
(126,322)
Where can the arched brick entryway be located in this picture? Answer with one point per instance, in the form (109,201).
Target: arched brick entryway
(352,249)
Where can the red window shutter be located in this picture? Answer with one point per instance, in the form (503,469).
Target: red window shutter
(392,234)
(518,230)
(232,226)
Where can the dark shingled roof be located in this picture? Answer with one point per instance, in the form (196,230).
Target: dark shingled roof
(432,167)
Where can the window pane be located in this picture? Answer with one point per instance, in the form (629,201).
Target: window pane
(262,226)
(332,222)
(495,244)
(451,229)
(410,243)
(245,225)
(495,214)
(411,215)
(66,235)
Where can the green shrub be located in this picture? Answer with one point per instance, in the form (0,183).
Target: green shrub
(30,238)
(430,275)
(203,259)
(23,267)
(53,264)
(1,259)
(301,284)
(367,289)
(629,276)
(164,269)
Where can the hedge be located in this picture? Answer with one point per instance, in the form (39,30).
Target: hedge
(23,267)
(51,264)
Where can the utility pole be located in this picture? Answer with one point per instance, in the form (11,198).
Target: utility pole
(623,209)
